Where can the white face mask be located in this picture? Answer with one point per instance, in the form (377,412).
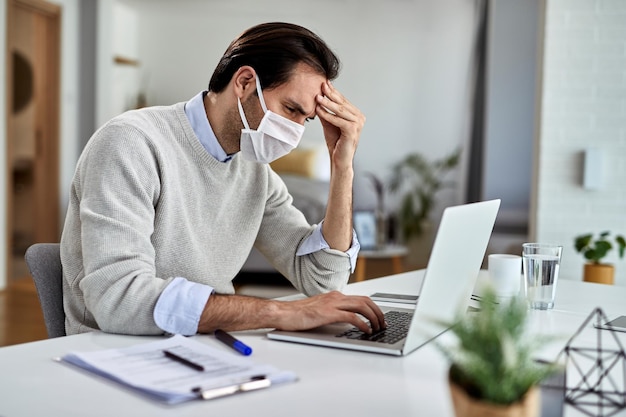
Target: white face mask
(276,135)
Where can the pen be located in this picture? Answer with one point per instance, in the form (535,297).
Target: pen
(184,361)
(238,345)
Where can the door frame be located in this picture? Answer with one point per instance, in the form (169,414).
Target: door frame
(47,154)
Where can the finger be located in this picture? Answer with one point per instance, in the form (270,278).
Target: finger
(337,109)
(345,127)
(334,96)
(374,314)
(379,315)
(368,309)
(332,119)
(356,321)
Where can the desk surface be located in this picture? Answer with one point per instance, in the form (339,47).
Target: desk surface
(332,382)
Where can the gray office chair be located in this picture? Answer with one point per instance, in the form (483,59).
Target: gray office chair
(44,263)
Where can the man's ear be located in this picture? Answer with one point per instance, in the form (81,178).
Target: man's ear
(244,82)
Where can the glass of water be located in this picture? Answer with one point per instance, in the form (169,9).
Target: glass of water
(541,272)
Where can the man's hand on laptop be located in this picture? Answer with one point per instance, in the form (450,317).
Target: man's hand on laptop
(332,307)
(236,312)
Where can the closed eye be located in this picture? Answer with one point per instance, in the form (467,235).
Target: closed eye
(296,110)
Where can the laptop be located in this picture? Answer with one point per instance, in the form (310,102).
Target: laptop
(446,288)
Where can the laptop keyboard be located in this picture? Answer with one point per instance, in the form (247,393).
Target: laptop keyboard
(397,328)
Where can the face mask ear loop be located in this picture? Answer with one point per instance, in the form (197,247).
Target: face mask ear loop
(242,114)
(260,93)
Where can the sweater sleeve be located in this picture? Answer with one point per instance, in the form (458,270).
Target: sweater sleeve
(316,242)
(118,191)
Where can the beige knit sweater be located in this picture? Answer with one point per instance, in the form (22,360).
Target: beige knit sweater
(148,203)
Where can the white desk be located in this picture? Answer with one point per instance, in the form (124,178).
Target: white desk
(332,382)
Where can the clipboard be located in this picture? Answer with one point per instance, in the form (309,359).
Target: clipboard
(255,383)
(149,371)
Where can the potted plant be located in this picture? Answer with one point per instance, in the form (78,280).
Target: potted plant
(419,180)
(492,368)
(594,250)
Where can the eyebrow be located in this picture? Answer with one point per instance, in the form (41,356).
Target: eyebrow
(299,109)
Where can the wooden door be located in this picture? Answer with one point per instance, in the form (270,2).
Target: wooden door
(33,39)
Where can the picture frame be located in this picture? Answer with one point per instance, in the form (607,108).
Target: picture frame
(364,222)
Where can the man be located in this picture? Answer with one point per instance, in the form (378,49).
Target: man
(167,202)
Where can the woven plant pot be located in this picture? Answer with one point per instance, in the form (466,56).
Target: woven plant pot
(466,406)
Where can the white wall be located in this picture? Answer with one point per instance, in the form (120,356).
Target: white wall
(70,111)
(583,105)
(405,63)
(105,28)
(126,78)
(117,85)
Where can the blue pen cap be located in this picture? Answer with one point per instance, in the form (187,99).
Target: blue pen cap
(242,348)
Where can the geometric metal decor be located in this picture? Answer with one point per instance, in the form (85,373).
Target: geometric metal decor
(599,371)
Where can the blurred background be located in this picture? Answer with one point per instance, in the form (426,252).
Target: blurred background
(532,92)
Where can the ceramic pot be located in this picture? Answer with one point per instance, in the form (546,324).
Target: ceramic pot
(466,406)
(599,273)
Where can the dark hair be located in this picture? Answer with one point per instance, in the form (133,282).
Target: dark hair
(273,50)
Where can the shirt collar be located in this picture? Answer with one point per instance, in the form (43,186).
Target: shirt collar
(194,109)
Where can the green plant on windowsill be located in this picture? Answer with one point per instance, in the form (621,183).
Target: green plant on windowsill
(492,362)
(595,249)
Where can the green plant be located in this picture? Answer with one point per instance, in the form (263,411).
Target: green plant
(420,180)
(493,359)
(595,249)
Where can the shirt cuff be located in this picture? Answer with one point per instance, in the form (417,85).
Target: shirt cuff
(180,306)
(316,242)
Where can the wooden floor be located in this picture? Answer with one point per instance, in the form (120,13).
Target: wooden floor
(21,319)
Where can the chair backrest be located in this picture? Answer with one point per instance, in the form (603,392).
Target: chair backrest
(44,263)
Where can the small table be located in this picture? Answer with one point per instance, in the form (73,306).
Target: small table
(395,253)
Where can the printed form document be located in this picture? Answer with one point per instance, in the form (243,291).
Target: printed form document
(146,368)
